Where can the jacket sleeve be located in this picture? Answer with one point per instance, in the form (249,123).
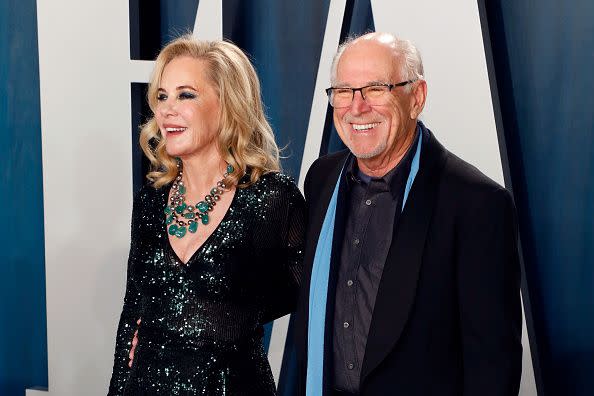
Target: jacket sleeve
(130,313)
(286,226)
(489,296)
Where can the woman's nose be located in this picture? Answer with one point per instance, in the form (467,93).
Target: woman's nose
(167,108)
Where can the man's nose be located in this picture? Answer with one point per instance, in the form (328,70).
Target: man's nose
(359,105)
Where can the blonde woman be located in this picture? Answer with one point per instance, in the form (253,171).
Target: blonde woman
(217,233)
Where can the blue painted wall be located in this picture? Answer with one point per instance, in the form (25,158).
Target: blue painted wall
(23,345)
(286,53)
(544,55)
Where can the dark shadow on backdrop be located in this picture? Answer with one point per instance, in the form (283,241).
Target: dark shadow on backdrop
(507,126)
(540,61)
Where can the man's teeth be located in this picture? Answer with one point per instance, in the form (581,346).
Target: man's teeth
(175,129)
(364,127)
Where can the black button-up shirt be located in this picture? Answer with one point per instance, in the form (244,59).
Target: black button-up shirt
(374,206)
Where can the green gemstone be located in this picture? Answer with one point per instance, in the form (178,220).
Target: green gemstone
(181,231)
(189,215)
(202,206)
(193,227)
(168,210)
(180,208)
(182,189)
(205,219)
(172,229)
(169,219)
(230,168)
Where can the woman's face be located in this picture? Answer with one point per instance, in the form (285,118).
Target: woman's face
(188,108)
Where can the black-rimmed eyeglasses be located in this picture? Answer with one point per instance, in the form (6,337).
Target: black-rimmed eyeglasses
(372,94)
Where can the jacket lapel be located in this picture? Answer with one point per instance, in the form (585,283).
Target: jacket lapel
(337,240)
(318,208)
(397,289)
(316,219)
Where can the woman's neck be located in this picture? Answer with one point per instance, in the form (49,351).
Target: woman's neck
(202,172)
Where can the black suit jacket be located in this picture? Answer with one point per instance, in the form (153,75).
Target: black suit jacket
(447,318)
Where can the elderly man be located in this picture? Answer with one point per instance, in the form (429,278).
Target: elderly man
(412,279)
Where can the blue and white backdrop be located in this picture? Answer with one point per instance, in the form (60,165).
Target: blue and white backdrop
(509,90)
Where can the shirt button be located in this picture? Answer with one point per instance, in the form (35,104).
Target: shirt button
(349,283)
(368,202)
(345,325)
(356,241)
(350,366)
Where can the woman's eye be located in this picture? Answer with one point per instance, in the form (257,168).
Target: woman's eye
(187,95)
(161,97)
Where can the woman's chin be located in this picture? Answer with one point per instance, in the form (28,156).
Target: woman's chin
(174,151)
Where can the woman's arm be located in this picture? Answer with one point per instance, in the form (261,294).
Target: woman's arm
(285,266)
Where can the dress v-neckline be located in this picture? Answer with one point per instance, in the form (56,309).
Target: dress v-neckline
(200,248)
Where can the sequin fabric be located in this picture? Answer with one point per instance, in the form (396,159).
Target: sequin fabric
(201,329)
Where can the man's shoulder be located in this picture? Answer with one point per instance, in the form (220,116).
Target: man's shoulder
(327,162)
(457,174)
(467,182)
(320,173)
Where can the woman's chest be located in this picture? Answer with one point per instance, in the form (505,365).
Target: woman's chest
(221,267)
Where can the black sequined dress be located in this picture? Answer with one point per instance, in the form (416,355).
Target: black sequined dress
(201,329)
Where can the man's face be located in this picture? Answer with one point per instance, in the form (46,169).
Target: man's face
(373,132)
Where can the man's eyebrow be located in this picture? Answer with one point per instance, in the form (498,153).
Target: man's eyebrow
(368,83)
(377,82)
(340,85)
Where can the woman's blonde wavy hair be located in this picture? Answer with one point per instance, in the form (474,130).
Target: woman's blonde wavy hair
(245,140)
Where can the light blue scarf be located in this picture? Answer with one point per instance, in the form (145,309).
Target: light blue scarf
(318,291)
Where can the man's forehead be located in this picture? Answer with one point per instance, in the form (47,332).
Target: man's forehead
(368,57)
(365,71)
(370,48)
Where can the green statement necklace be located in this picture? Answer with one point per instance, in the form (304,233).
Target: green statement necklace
(181,217)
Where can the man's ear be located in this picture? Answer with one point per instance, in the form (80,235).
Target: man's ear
(419,94)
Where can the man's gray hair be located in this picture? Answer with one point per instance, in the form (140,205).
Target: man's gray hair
(412,64)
